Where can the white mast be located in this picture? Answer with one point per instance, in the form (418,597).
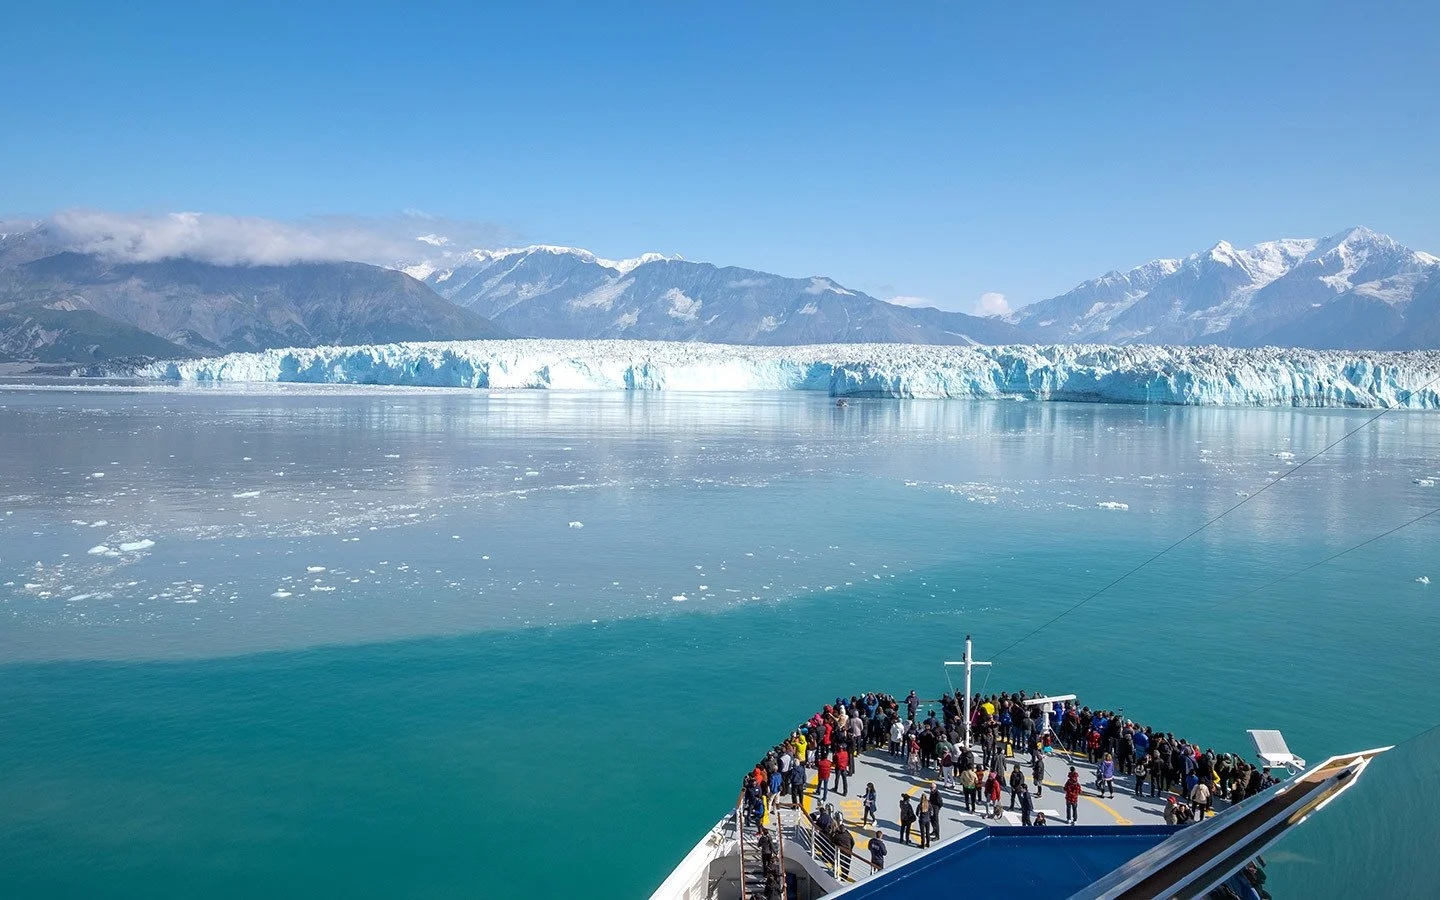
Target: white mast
(968,662)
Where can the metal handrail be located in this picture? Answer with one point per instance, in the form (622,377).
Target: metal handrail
(740,835)
(780,836)
(823,850)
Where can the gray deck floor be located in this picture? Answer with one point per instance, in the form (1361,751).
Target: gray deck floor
(891,780)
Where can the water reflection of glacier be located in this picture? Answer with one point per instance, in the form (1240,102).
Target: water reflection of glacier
(1188,376)
(283,512)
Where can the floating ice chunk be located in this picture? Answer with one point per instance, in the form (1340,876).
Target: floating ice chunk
(245,495)
(1283,454)
(1112,504)
(704,587)
(678,598)
(98,524)
(1423,579)
(577,524)
(324,588)
(133,546)
(281,594)
(313,569)
(1425,482)
(98,550)
(97,474)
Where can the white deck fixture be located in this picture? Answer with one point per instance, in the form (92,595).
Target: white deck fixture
(1270,746)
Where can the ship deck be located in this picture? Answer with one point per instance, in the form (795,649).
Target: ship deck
(891,780)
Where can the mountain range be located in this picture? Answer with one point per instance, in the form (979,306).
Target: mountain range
(1353,290)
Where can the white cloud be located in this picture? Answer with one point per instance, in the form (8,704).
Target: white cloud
(912,302)
(252,240)
(747,282)
(992,304)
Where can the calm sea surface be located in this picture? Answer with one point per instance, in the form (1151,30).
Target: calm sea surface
(319,642)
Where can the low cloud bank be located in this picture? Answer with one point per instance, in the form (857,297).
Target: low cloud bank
(253,240)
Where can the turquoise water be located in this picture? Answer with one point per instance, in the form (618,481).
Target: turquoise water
(452,733)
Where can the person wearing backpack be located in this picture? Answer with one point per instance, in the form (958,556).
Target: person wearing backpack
(970,786)
(907,818)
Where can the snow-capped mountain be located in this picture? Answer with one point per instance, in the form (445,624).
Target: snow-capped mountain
(58,305)
(1355,289)
(561,292)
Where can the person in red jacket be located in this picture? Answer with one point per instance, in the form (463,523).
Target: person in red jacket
(822,788)
(993,791)
(1072,796)
(842,771)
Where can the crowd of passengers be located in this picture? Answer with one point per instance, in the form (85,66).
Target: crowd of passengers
(1005,729)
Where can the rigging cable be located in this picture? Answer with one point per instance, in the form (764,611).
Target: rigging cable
(1316,565)
(1244,500)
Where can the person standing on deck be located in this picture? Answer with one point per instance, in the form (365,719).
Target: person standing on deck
(925,814)
(878,850)
(970,785)
(1017,781)
(867,805)
(1200,799)
(1072,796)
(907,817)
(1027,804)
(937,803)
(1107,776)
(842,771)
(993,792)
(798,778)
(1125,751)
(1142,769)
(912,705)
(845,847)
(1037,769)
(822,768)
(897,734)
(855,728)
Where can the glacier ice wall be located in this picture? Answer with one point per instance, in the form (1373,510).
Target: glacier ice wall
(1226,376)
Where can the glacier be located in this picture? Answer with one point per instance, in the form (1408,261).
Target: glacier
(1181,375)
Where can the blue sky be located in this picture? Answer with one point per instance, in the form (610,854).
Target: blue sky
(938,150)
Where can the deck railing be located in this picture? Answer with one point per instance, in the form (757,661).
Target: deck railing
(821,849)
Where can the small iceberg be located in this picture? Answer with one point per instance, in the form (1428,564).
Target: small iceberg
(1112,504)
(1423,579)
(577,524)
(133,546)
